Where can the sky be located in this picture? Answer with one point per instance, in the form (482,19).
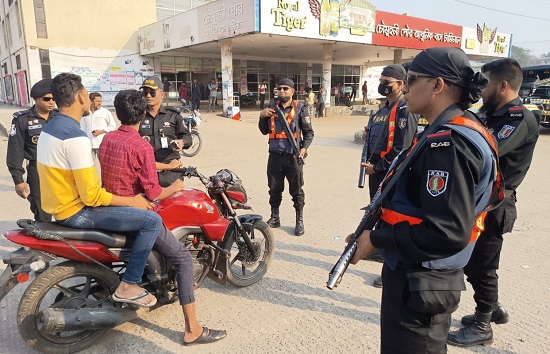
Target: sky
(529,21)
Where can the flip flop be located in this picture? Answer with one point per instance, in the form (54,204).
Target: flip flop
(133,300)
(208,336)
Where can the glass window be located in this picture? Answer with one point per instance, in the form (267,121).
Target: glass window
(273,67)
(40,19)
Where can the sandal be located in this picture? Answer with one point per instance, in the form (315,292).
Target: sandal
(134,300)
(208,336)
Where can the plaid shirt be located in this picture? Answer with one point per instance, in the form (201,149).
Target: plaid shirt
(128,164)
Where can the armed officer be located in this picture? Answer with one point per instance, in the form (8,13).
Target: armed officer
(391,129)
(26,127)
(164,128)
(426,232)
(516,131)
(283,160)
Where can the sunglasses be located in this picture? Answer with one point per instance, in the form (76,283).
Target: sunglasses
(46,99)
(387,82)
(283,88)
(149,92)
(411,78)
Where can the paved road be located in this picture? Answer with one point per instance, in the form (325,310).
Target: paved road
(290,310)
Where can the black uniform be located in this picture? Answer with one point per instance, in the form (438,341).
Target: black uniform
(168,125)
(282,160)
(440,190)
(377,140)
(26,127)
(516,131)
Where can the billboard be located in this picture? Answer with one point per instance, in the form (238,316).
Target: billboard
(347,21)
(483,40)
(402,31)
(211,22)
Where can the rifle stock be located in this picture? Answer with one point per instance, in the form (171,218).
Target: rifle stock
(289,134)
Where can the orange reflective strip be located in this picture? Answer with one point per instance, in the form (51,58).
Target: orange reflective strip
(289,118)
(459,120)
(479,226)
(392,217)
(391,129)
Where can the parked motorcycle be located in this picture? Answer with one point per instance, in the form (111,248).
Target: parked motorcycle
(192,122)
(69,306)
(248,99)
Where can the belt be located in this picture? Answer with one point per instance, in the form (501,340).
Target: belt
(281,153)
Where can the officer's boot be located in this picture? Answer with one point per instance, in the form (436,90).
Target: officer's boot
(274,220)
(479,333)
(499,316)
(299,229)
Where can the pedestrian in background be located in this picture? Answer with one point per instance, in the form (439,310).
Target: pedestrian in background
(310,101)
(262,88)
(195,96)
(98,122)
(427,228)
(166,88)
(516,131)
(321,102)
(353,92)
(213,89)
(364,92)
(26,127)
(183,94)
(283,159)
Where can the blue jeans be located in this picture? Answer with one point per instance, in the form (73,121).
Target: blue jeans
(146,224)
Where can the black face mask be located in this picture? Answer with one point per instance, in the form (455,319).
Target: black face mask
(285,99)
(385,90)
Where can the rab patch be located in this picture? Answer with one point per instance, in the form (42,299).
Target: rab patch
(308,119)
(13,130)
(437,182)
(505,131)
(402,123)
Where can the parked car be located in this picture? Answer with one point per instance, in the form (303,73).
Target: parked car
(541,99)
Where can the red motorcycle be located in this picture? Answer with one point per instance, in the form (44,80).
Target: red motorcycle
(68,306)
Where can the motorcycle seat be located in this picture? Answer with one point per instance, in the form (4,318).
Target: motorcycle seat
(96,235)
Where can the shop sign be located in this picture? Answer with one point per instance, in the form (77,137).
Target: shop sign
(485,41)
(350,21)
(402,31)
(216,20)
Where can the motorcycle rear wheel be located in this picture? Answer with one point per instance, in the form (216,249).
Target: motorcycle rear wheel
(195,146)
(67,285)
(246,269)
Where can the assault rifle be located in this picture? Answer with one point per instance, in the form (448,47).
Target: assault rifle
(364,158)
(289,134)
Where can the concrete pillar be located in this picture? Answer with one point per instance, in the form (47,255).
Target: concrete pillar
(309,74)
(243,80)
(398,56)
(327,71)
(227,73)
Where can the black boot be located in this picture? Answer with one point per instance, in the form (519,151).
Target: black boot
(299,229)
(499,316)
(479,333)
(274,220)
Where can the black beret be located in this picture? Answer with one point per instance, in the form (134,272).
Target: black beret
(396,71)
(287,81)
(41,88)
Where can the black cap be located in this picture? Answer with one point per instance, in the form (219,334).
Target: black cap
(287,81)
(397,71)
(152,82)
(41,88)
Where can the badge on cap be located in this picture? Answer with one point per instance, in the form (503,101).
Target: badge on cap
(437,182)
(506,131)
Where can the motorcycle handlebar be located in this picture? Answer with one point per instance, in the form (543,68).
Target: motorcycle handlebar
(191,171)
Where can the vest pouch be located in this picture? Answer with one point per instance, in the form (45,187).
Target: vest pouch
(510,216)
(435,291)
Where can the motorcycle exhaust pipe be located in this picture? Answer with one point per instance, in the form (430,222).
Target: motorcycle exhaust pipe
(58,320)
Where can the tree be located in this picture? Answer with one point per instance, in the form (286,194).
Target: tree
(523,56)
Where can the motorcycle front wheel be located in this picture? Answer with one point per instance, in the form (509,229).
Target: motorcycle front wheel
(69,285)
(195,146)
(246,268)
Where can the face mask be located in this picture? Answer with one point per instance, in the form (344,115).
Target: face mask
(385,90)
(285,99)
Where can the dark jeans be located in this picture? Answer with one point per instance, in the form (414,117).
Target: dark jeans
(320,109)
(173,250)
(196,103)
(34,195)
(146,224)
(280,167)
(262,100)
(410,321)
(481,270)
